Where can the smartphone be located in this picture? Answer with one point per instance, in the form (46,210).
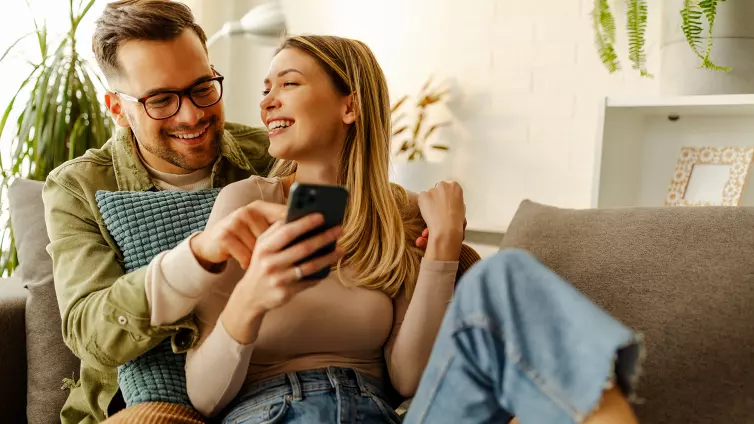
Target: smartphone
(330,201)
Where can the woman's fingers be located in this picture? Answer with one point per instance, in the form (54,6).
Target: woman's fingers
(240,251)
(321,262)
(287,233)
(271,212)
(303,249)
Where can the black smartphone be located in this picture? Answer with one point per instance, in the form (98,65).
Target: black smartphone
(330,201)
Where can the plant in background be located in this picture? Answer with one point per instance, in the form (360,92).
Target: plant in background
(59,116)
(693,14)
(412,139)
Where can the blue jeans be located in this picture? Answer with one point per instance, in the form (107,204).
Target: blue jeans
(517,340)
(331,395)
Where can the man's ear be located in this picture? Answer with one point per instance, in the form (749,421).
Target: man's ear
(116,109)
(349,110)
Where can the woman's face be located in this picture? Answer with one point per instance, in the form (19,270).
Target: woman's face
(307,118)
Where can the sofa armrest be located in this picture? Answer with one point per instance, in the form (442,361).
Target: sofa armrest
(13,350)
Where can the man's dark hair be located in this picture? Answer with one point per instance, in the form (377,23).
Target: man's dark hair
(150,20)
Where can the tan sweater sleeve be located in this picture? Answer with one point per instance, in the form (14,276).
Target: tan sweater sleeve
(175,283)
(416,323)
(216,370)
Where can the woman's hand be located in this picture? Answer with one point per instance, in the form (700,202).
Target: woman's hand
(236,234)
(273,278)
(444,211)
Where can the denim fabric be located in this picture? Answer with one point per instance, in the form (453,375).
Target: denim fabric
(519,341)
(331,395)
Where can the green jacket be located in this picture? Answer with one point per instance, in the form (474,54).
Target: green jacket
(106,318)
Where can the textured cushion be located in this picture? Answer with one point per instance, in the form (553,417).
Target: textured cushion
(144,224)
(49,360)
(684,277)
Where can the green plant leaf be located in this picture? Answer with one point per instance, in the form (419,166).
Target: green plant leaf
(440,147)
(709,8)
(604,32)
(400,130)
(60,118)
(691,25)
(18,40)
(637,31)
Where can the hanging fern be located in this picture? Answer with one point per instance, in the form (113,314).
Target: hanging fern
(709,8)
(604,30)
(637,31)
(693,13)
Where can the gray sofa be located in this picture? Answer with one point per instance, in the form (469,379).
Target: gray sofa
(684,277)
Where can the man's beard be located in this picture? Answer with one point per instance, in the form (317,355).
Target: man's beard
(163,149)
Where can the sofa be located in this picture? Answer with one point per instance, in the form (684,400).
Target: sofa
(683,277)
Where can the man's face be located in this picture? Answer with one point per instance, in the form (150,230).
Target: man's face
(190,139)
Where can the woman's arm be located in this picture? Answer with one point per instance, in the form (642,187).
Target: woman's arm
(216,370)
(415,324)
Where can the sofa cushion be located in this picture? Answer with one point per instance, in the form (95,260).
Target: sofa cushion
(684,277)
(29,230)
(49,360)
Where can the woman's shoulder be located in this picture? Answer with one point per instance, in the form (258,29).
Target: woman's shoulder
(269,189)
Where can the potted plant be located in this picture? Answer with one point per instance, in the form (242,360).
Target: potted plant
(57,116)
(411,169)
(689,30)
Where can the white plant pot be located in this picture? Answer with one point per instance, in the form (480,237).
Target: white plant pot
(419,175)
(733,46)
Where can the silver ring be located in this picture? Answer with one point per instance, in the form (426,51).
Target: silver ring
(299,274)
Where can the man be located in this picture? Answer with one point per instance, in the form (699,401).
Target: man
(167,102)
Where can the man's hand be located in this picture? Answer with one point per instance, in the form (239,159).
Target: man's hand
(236,235)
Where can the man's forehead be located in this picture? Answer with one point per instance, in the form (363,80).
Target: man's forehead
(175,64)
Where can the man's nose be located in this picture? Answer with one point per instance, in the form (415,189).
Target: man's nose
(189,113)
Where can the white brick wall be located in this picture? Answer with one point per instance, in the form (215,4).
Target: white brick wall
(526,79)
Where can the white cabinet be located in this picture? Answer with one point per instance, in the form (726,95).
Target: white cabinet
(641,138)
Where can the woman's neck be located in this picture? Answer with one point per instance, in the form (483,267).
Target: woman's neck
(316,174)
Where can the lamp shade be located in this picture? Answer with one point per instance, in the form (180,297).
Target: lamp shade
(264,21)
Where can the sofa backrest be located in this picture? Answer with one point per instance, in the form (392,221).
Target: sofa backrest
(49,361)
(682,276)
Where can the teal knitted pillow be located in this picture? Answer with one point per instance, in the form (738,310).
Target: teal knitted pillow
(144,224)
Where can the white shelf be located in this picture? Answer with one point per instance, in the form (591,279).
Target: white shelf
(722,105)
(639,144)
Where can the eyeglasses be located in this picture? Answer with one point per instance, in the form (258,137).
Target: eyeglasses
(166,104)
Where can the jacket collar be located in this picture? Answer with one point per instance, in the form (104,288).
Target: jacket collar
(131,175)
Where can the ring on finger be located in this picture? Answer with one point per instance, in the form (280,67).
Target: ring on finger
(299,274)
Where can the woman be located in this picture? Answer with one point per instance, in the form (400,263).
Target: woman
(274,348)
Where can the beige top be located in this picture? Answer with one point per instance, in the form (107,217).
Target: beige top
(332,324)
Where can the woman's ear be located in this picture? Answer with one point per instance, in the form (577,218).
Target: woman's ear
(349,110)
(116,109)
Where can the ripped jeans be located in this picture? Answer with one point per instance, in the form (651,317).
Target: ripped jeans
(517,340)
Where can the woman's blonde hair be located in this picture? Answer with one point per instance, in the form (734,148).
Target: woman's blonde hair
(381,221)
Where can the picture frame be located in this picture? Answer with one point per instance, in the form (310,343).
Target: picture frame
(720,183)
